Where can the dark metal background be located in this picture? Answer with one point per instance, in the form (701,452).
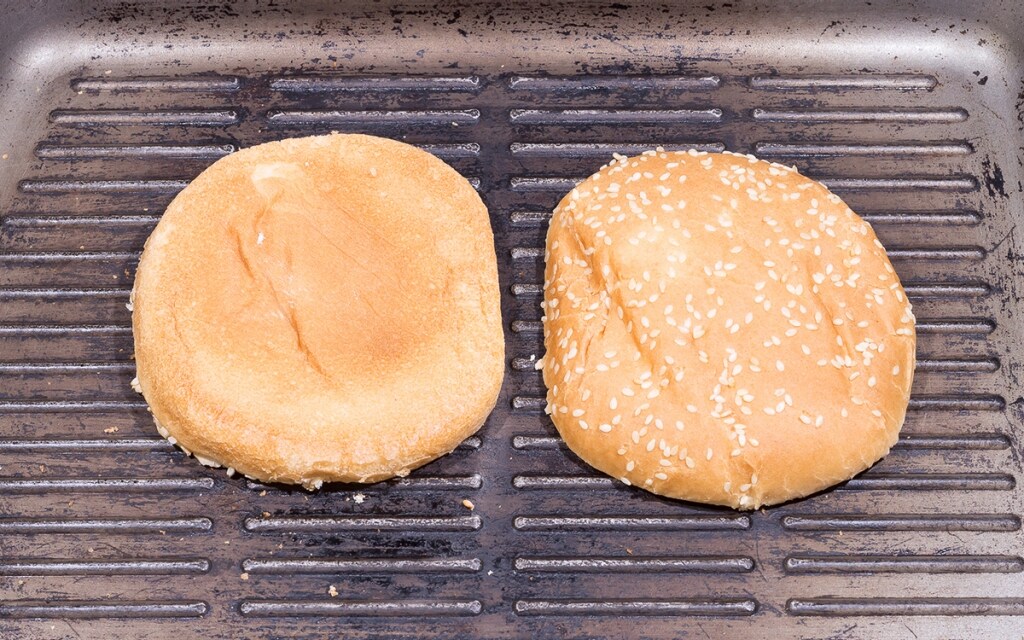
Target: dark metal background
(911,111)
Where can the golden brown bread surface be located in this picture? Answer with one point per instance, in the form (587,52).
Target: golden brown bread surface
(321,309)
(722,330)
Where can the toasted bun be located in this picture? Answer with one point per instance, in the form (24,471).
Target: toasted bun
(321,309)
(722,330)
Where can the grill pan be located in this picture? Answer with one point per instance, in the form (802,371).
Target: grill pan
(912,111)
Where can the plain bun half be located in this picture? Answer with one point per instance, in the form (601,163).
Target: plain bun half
(321,309)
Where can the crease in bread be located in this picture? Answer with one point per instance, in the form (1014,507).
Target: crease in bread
(320,309)
(722,329)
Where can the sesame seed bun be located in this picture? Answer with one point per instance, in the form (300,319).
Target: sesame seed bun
(722,330)
(321,309)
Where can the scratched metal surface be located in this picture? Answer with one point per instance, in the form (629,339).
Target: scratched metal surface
(911,112)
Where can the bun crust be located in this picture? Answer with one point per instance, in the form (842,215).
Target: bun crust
(321,309)
(722,330)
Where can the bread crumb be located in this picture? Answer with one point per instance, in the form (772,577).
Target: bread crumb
(468,504)
(111,430)
(263,493)
(358,498)
(332,591)
(265,514)
(244,576)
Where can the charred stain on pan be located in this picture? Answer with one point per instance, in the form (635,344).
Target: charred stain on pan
(994,182)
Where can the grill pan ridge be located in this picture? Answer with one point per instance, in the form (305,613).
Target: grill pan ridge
(912,112)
